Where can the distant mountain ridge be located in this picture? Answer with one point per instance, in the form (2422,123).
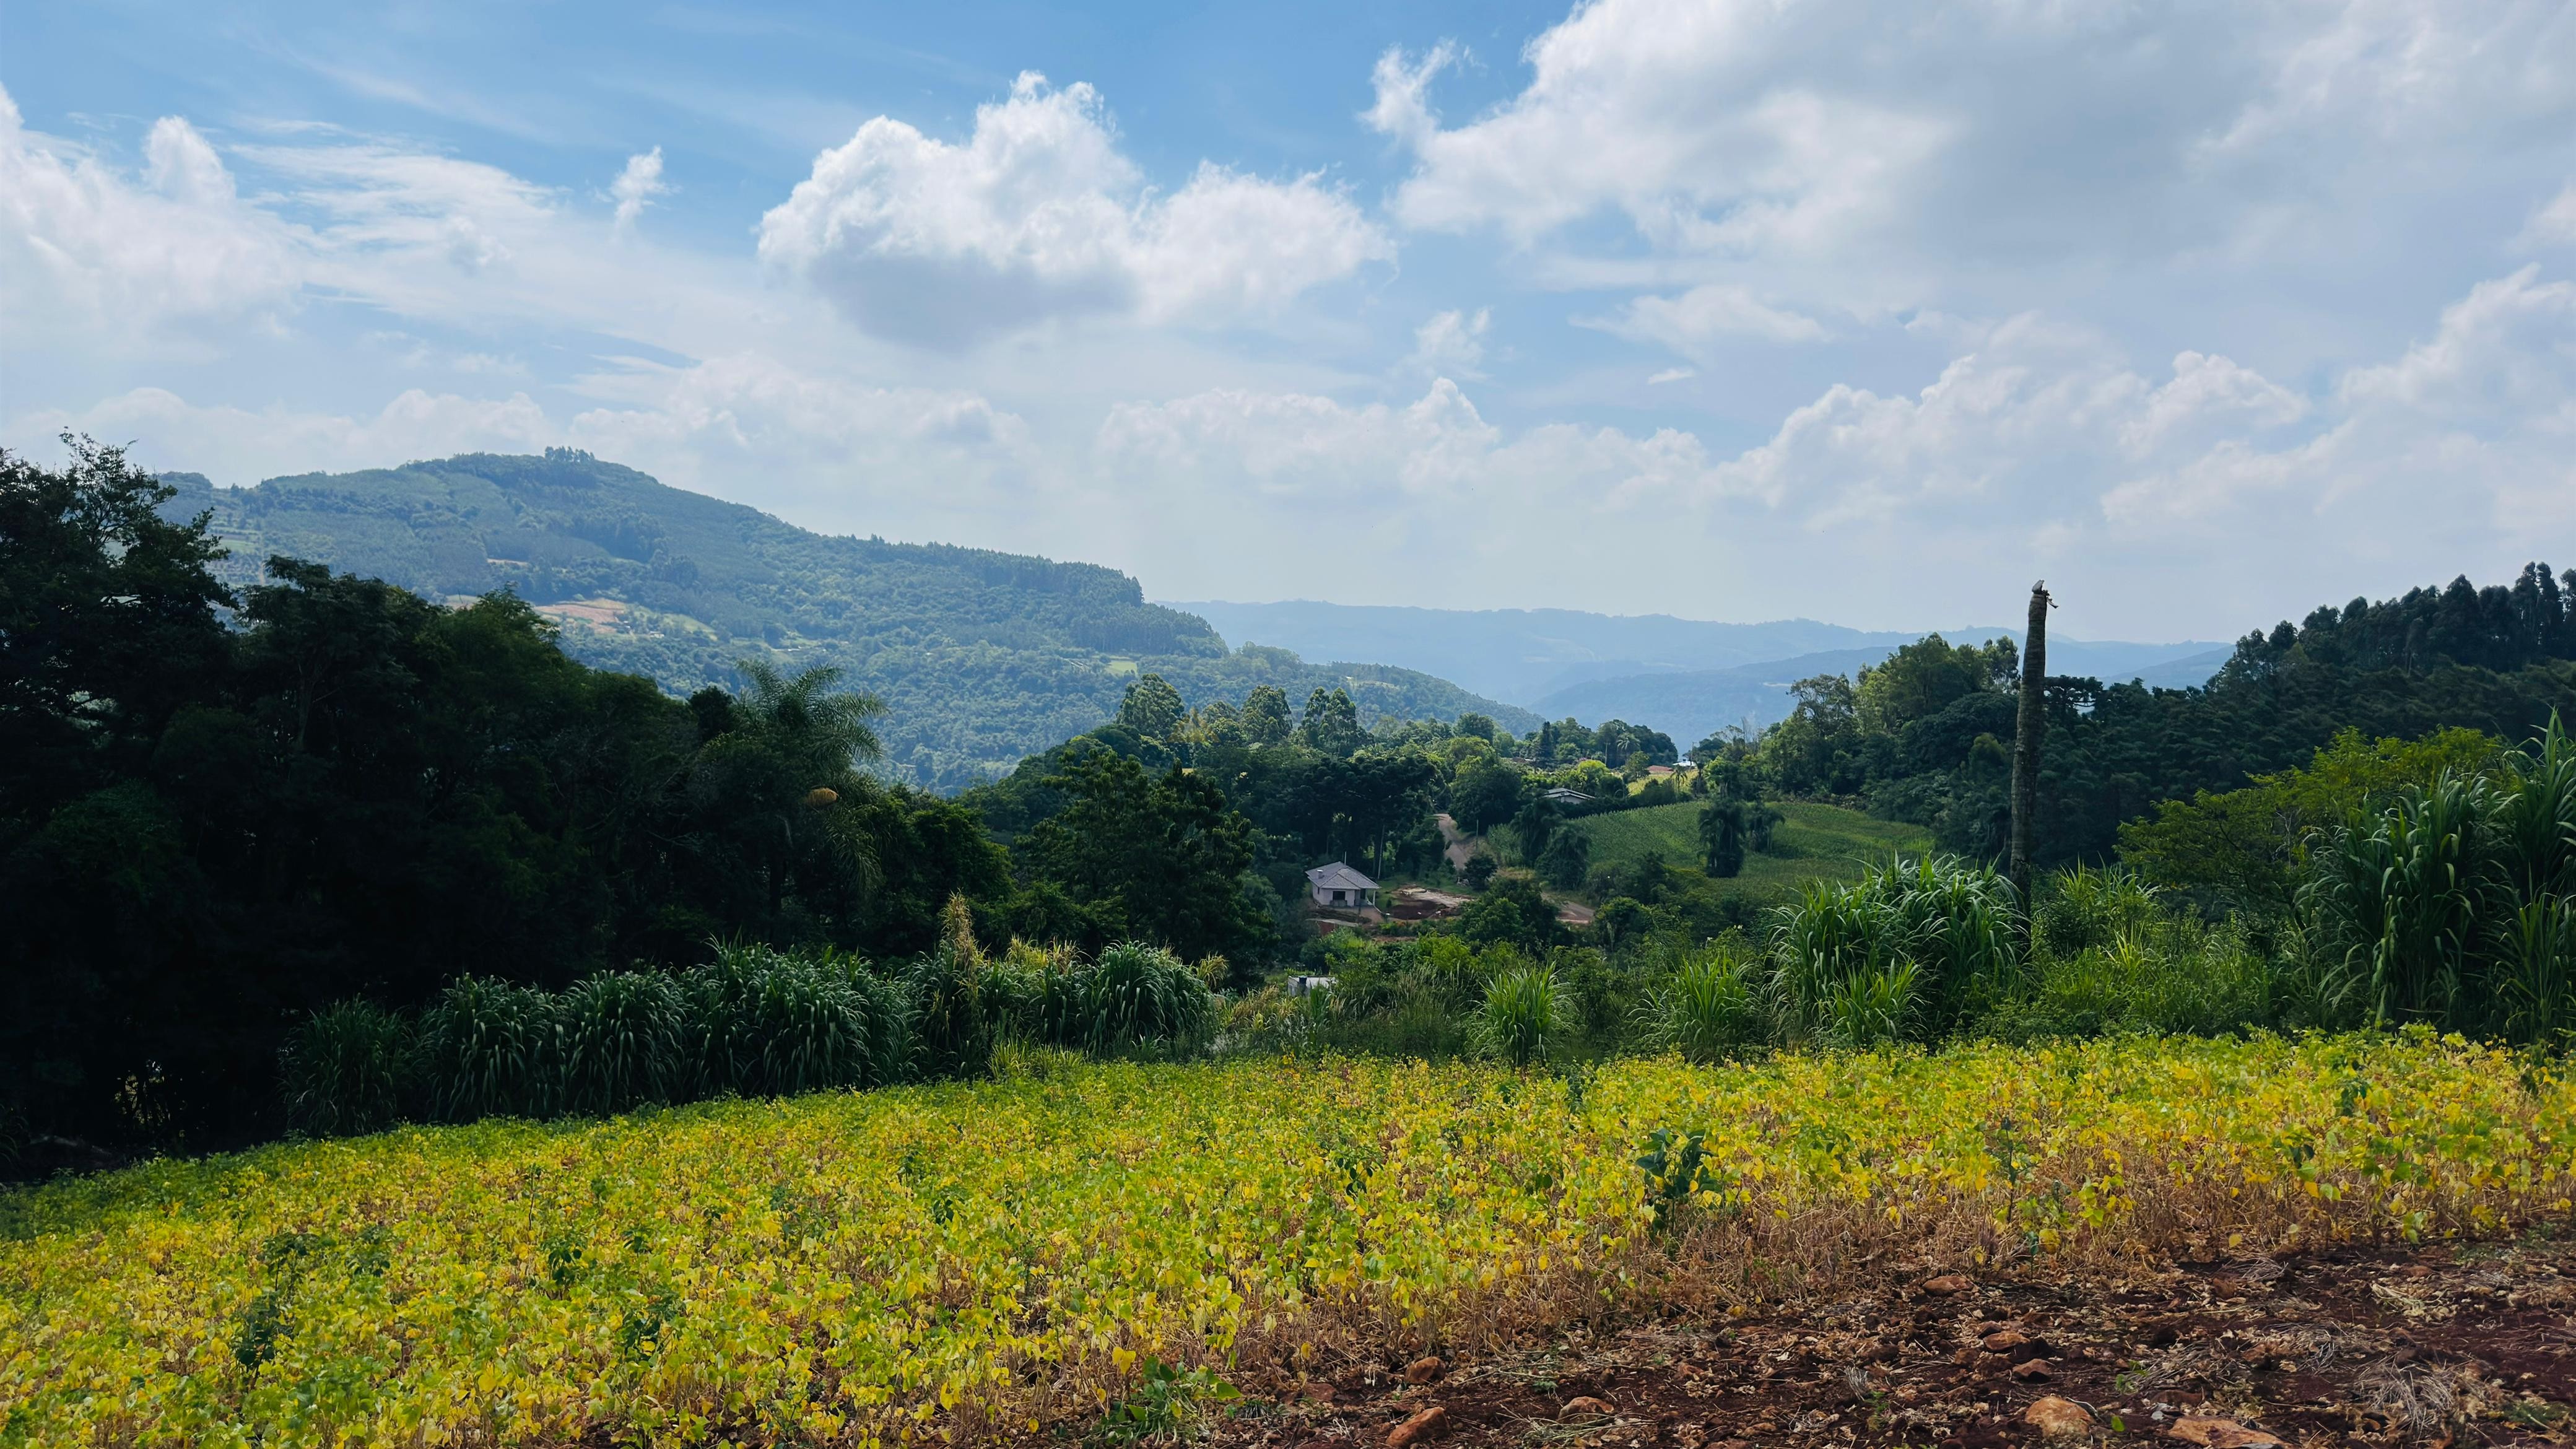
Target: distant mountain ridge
(1685,677)
(982,658)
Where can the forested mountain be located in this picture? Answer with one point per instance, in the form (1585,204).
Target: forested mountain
(981,658)
(1683,676)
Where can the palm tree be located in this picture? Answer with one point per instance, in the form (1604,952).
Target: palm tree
(788,771)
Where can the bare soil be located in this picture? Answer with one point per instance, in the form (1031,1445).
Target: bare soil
(2454,1344)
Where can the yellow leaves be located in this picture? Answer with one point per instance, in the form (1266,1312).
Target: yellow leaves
(866,1265)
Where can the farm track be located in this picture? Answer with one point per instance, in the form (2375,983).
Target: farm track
(2443,1345)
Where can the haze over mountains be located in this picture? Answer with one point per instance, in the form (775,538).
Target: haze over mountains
(1686,677)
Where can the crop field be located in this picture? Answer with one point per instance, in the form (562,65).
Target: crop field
(982,1262)
(1819,842)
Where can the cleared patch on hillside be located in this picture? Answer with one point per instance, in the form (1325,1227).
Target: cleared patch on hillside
(1813,842)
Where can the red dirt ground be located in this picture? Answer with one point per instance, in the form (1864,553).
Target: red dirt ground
(2441,1345)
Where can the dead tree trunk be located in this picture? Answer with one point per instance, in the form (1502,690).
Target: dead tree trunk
(2028,727)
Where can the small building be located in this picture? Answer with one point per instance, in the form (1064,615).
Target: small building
(1565,795)
(1337,887)
(1308,985)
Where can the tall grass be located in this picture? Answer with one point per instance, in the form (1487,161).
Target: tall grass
(1904,953)
(487,1050)
(618,1038)
(348,1069)
(1709,1007)
(754,1021)
(1526,1017)
(2452,904)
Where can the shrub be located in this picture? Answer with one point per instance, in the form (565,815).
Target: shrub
(1136,995)
(1526,1016)
(348,1069)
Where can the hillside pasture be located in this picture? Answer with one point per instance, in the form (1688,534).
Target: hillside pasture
(1813,842)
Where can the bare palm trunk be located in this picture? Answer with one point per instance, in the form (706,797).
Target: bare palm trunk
(2027,730)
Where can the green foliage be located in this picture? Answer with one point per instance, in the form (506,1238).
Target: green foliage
(1130,996)
(1511,910)
(755,1021)
(347,1069)
(1904,953)
(1163,858)
(1709,1007)
(1527,1015)
(1152,708)
(621,1041)
(1167,1405)
(2246,846)
(487,1050)
(769,1024)
(2449,905)
(1567,859)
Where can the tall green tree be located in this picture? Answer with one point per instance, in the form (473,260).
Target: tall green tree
(1152,708)
(1160,858)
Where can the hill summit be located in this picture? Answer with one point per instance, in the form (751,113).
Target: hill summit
(981,657)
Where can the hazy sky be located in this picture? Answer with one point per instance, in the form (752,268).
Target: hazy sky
(1734,310)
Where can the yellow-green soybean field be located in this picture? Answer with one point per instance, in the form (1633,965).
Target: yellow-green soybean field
(977,1261)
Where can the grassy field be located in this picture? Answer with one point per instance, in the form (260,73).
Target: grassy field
(991,1261)
(1814,842)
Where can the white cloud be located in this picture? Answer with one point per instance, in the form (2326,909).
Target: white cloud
(1699,321)
(90,251)
(2184,503)
(837,454)
(1452,344)
(636,187)
(1979,156)
(2554,223)
(235,445)
(1038,215)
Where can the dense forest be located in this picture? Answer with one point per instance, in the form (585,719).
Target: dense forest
(1927,735)
(980,657)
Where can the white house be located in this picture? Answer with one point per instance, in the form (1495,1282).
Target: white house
(1338,887)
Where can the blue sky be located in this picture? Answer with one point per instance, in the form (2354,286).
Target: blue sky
(1734,310)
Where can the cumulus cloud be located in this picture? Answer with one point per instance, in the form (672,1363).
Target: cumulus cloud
(2554,223)
(840,454)
(1452,344)
(86,247)
(1704,318)
(2039,447)
(1038,215)
(1846,156)
(636,187)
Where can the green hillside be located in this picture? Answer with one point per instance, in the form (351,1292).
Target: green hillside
(1814,842)
(981,658)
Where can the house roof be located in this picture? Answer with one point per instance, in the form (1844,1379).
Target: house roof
(1339,877)
(1565,796)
